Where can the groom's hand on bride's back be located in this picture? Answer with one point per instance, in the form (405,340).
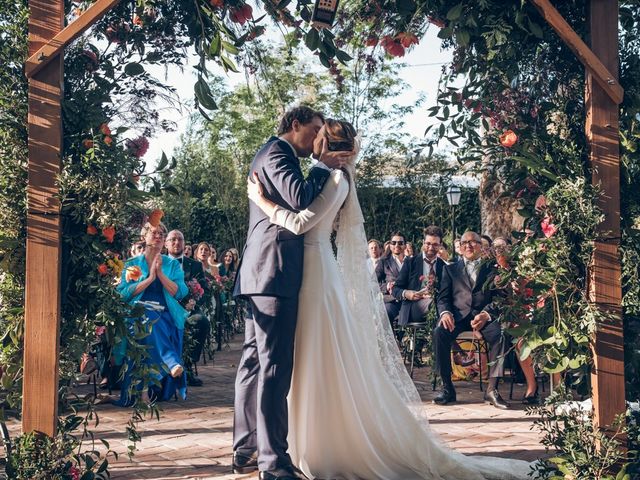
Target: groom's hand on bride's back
(334,159)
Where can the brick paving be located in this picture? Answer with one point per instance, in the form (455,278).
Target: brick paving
(192,439)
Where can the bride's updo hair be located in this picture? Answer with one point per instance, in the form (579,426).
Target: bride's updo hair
(340,135)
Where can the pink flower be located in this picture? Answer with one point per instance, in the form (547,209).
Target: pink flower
(100,330)
(548,228)
(541,301)
(74,472)
(138,147)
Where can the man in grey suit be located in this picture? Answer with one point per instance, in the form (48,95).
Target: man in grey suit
(464,304)
(269,278)
(387,272)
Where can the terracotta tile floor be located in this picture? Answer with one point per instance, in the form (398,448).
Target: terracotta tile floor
(192,440)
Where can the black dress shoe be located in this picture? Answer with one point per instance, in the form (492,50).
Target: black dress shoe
(192,380)
(244,464)
(493,397)
(283,474)
(531,399)
(446,396)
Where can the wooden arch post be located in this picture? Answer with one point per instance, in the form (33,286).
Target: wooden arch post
(603,94)
(44,69)
(42,292)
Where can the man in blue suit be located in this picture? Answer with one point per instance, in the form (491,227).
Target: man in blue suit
(269,278)
(419,279)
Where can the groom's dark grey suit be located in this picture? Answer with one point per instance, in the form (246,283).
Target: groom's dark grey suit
(270,276)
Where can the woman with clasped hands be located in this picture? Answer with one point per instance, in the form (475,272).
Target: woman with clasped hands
(157,278)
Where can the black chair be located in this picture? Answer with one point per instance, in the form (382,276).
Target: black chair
(413,328)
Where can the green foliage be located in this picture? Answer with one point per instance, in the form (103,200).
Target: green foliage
(583,453)
(36,456)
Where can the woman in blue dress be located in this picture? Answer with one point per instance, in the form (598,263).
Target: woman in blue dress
(153,277)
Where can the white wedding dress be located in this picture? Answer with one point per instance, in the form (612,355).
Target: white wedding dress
(354,413)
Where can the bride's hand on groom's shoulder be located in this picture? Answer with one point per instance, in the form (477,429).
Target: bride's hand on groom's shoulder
(254,188)
(334,159)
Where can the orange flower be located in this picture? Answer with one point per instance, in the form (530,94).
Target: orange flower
(217,3)
(508,139)
(137,20)
(103,269)
(133,274)
(108,141)
(104,129)
(108,233)
(91,230)
(371,41)
(87,143)
(155,217)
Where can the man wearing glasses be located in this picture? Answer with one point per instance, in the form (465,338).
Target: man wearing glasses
(419,279)
(465,304)
(387,271)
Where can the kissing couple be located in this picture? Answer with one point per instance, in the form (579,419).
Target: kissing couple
(340,405)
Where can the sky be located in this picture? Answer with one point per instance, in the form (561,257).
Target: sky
(421,73)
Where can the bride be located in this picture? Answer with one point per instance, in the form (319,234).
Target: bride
(354,412)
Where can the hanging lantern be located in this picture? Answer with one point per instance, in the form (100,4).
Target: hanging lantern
(324,13)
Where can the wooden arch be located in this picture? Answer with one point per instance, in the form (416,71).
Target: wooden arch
(44,68)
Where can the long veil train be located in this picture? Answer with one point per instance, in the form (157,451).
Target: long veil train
(367,311)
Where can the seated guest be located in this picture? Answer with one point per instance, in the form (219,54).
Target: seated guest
(137,248)
(375,252)
(201,253)
(443,253)
(409,251)
(153,277)
(501,247)
(236,256)
(487,246)
(464,304)
(387,272)
(419,279)
(386,249)
(229,265)
(187,250)
(197,326)
(457,249)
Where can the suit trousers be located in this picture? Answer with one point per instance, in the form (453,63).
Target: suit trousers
(393,309)
(263,381)
(443,338)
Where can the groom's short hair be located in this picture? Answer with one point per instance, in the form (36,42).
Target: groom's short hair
(302,113)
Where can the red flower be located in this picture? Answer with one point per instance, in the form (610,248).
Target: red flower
(87,143)
(92,59)
(541,203)
(371,41)
(104,129)
(548,228)
(392,46)
(108,141)
(103,269)
(217,3)
(241,14)
(138,147)
(91,230)
(508,139)
(137,20)
(108,233)
(100,330)
(407,39)
(436,21)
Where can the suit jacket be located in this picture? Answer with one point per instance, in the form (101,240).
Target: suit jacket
(409,279)
(193,269)
(387,271)
(272,256)
(456,294)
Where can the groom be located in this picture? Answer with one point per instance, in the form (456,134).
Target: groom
(269,279)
